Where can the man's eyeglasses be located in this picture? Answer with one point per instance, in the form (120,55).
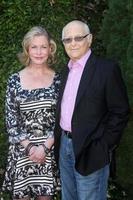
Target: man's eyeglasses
(76,39)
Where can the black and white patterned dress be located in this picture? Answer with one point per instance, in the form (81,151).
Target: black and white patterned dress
(30,114)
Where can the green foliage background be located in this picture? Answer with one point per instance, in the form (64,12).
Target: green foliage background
(117,37)
(113,36)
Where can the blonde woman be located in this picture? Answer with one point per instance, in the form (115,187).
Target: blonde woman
(30,116)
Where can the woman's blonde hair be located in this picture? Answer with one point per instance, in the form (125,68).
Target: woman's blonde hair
(36,31)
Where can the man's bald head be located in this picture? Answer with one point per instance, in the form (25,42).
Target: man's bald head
(83,25)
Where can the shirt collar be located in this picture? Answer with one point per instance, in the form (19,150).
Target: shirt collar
(81,62)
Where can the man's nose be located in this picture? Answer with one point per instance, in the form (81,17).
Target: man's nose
(73,42)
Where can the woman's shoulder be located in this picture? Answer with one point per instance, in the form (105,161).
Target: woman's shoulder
(13,79)
(57,77)
(13,76)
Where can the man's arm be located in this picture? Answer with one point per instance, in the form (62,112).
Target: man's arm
(118,107)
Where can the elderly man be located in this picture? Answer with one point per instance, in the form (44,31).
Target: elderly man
(92,112)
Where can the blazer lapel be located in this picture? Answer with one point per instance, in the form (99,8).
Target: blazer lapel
(63,83)
(86,77)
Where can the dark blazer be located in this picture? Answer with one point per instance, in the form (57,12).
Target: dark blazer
(100,114)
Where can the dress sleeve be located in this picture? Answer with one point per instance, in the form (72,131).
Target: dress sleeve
(54,102)
(50,129)
(14,125)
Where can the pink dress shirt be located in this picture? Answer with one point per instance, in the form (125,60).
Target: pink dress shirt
(70,92)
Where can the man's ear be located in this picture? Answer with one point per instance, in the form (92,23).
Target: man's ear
(90,37)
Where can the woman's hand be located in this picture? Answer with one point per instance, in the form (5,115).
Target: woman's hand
(32,150)
(37,154)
